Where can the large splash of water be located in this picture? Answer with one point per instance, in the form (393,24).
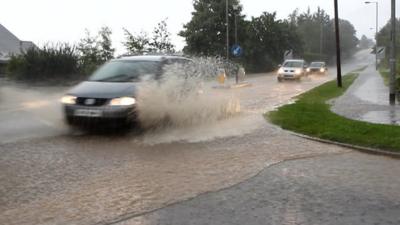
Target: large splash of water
(185,96)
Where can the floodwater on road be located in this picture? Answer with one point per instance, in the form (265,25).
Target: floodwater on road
(52,177)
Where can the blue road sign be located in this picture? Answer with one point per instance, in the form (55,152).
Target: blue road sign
(236,50)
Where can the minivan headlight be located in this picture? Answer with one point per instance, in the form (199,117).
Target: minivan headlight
(280,71)
(68,100)
(298,71)
(123,101)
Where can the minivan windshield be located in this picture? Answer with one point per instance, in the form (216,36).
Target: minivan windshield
(125,71)
(296,64)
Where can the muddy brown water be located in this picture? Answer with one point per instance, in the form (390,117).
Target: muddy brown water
(50,176)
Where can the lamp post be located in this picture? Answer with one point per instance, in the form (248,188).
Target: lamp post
(376,32)
(227,29)
(236,7)
(321,39)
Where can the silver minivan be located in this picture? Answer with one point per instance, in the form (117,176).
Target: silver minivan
(292,69)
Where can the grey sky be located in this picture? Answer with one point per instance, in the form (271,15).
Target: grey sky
(44,21)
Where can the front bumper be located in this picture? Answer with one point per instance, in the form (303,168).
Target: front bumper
(317,71)
(104,114)
(289,76)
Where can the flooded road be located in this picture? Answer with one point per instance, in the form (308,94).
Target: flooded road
(50,176)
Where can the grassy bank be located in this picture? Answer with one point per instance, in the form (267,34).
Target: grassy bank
(311,115)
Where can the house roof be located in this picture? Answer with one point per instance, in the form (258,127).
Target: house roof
(10,44)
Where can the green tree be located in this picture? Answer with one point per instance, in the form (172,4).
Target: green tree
(161,41)
(385,40)
(89,53)
(266,41)
(349,41)
(384,36)
(95,50)
(313,29)
(317,33)
(205,34)
(140,43)
(106,50)
(136,44)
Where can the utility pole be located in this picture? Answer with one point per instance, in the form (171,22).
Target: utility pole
(392,95)
(321,41)
(227,29)
(236,35)
(376,37)
(338,56)
(376,31)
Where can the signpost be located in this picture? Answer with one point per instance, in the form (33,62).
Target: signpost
(288,54)
(381,53)
(236,50)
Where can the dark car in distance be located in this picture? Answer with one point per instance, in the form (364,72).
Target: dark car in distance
(317,68)
(109,95)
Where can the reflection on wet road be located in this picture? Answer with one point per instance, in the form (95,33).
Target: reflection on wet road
(29,113)
(49,176)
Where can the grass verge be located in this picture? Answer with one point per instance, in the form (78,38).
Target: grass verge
(311,115)
(385,75)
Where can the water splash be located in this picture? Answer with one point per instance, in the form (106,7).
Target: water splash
(184,96)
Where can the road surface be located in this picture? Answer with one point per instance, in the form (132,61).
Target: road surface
(52,176)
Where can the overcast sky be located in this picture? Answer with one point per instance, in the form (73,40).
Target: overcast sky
(44,21)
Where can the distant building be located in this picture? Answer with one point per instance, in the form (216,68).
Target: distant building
(11,45)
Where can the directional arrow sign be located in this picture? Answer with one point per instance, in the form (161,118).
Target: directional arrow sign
(236,50)
(288,54)
(381,52)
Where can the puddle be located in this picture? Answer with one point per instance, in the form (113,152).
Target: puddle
(382,117)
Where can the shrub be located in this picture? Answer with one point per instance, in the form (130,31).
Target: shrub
(59,61)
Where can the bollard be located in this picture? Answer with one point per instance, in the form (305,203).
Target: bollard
(222,76)
(240,75)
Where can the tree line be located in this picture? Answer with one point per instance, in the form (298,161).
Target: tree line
(384,40)
(264,39)
(62,61)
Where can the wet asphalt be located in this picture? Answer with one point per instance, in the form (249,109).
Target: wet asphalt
(52,175)
(349,188)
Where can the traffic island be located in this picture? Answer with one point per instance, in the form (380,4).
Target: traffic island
(310,115)
(233,86)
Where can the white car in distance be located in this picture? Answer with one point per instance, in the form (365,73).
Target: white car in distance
(292,69)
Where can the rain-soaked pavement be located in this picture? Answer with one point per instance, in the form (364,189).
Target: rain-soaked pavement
(368,100)
(52,176)
(349,188)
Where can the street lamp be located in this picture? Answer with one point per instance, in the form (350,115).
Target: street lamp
(376,33)
(227,29)
(235,8)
